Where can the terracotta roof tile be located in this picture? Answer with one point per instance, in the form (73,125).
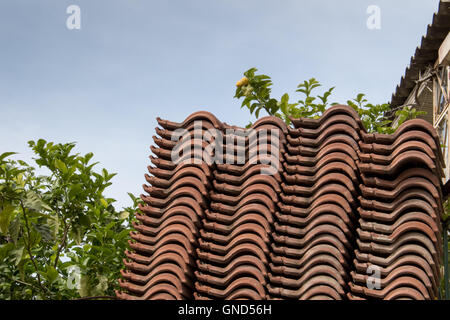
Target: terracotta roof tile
(341,201)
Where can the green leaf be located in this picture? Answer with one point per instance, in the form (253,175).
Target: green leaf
(51,274)
(6,154)
(84,220)
(84,286)
(17,255)
(5,249)
(124,215)
(104,202)
(5,217)
(44,230)
(61,166)
(34,202)
(14,229)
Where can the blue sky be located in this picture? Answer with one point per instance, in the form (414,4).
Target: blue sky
(133,60)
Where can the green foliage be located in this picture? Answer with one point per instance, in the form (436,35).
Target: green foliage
(256,91)
(57,222)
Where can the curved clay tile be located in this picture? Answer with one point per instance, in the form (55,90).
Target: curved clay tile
(409,216)
(329,159)
(317,251)
(245,260)
(409,271)
(173,211)
(241,170)
(327,199)
(158,212)
(332,178)
(177,185)
(154,245)
(242,238)
(161,295)
(270,120)
(321,242)
(169,165)
(322,229)
(339,128)
(386,149)
(259,199)
(410,249)
(313,151)
(144,255)
(325,219)
(199,115)
(240,179)
(321,259)
(253,191)
(250,229)
(239,272)
(241,283)
(321,293)
(406,260)
(234,253)
(163,277)
(407,293)
(322,192)
(314,132)
(299,282)
(415,182)
(407,159)
(191,172)
(396,233)
(245,294)
(329,168)
(404,207)
(161,259)
(335,210)
(412,194)
(407,146)
(168,174)
(181,192)
(400,282)
(196,155)
(329,113)
(410,237)
(252,208)
(310,283)
(257,179)
(175,228)
(248,219)
(162,268)
(374,181)
(171,222)
(334,148)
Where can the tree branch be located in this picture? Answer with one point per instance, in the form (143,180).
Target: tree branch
(27,245)
(63,242)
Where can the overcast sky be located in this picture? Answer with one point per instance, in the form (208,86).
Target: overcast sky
(133,60)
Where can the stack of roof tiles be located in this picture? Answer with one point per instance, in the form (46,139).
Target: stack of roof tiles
(340,203)
(399,229)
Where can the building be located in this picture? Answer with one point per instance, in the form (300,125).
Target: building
(425,84)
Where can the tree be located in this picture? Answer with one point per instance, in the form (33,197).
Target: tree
(60,238)
(256,89)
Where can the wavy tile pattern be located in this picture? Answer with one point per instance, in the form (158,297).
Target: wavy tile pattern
(343,214)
